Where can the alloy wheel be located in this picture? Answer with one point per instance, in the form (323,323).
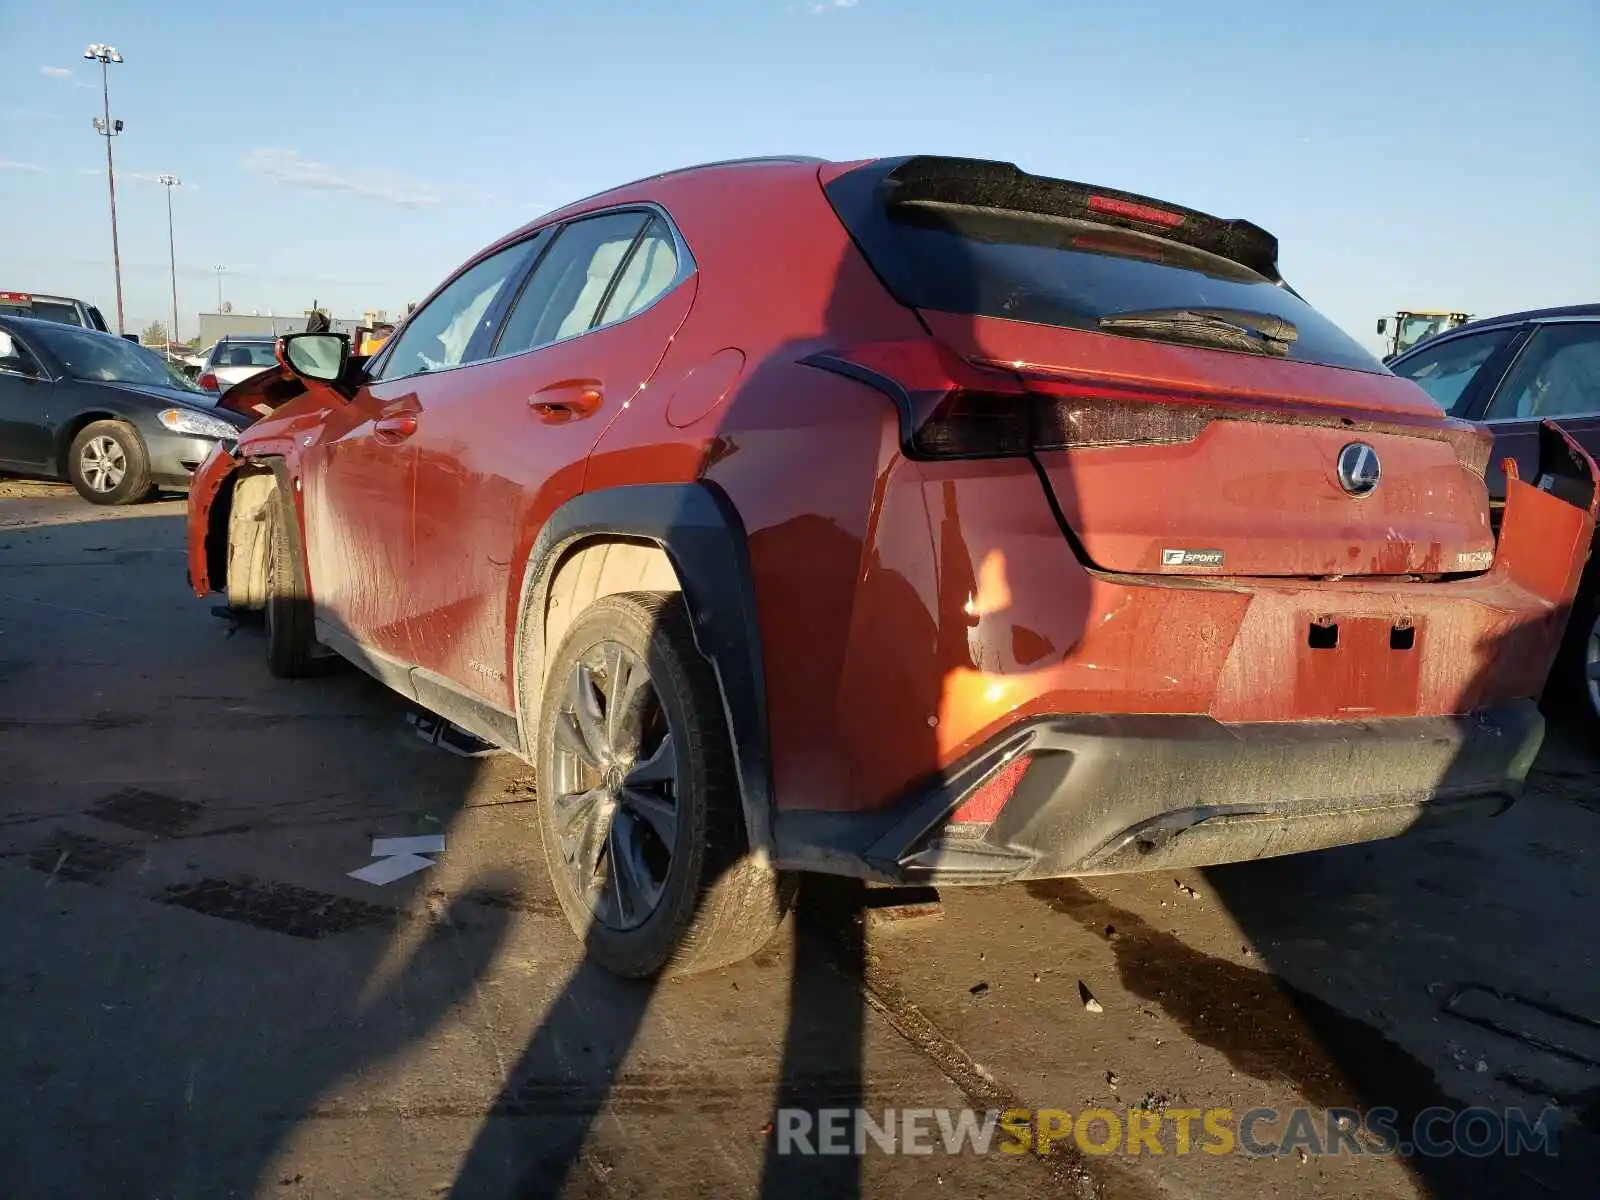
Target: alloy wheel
(103,463)
(615,787)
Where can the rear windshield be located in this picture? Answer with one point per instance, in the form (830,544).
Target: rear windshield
(1069,272)
(44,310)
(245,354)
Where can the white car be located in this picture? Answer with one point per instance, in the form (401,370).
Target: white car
(236,357)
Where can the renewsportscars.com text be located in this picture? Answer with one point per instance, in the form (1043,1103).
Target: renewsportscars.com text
(1257,1132)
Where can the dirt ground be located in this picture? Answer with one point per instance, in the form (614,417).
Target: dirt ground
(196,1000)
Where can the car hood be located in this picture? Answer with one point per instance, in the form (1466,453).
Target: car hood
(168,395)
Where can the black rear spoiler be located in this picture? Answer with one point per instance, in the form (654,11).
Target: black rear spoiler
(971,182)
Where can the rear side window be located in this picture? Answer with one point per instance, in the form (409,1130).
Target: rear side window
(564,294)
(650,270)
(1446,370)
(987,240)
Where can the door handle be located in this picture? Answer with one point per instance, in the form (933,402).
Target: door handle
(396,428)
(567,401)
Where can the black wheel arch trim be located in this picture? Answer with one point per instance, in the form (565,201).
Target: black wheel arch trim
(700,531)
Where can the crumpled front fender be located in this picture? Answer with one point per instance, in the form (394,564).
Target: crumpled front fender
(205,486)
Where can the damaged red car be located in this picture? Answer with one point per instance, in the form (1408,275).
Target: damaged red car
(920,520)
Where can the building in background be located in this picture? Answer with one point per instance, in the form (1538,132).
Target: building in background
(214,324)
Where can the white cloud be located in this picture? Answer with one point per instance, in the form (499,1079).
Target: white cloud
(11,164)
(127,176)
(827,6)
(56,72)
(290,168)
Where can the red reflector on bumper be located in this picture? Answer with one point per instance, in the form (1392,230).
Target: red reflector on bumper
(983,805)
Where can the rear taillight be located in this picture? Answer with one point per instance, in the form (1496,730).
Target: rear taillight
(1473,444)
(1061,422)
(952,408)
(975,425)
(988,425)
(209,382)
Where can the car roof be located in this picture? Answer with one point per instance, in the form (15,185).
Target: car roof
(1532,314)
(247,337)
(634,191)
(28,323)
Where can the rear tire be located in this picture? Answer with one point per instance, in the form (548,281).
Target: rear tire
(291,640)
(1575,677)
(107,464)
(650,784)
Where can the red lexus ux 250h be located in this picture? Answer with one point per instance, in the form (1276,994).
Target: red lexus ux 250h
(920,520)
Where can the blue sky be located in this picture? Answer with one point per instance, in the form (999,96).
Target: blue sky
(1423,155)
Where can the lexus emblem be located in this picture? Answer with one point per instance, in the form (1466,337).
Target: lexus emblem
(1359,470)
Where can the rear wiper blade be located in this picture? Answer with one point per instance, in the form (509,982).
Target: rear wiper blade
(1226,328)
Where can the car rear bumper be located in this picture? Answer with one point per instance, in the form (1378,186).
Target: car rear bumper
(1104,794)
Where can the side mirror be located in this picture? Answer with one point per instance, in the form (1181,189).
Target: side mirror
(322,357)
(131,337)
(12,358)
(1383,324)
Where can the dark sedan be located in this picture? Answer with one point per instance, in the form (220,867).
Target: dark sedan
(1511,373)
(108,415)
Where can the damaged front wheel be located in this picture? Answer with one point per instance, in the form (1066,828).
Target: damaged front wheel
(291,640)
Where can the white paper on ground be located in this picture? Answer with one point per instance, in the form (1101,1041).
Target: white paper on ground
(427,843)
(395,866)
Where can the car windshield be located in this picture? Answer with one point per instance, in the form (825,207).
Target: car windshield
(101,357)
(1417,329)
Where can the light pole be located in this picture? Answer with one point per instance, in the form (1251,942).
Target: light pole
(169,182)
(221,271)
(108,129)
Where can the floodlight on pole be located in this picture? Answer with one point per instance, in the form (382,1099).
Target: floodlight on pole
(169,182)
(108,129)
